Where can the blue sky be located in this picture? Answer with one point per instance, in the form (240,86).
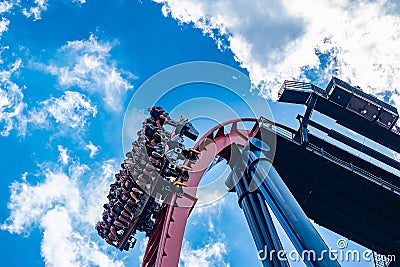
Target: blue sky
(69,69)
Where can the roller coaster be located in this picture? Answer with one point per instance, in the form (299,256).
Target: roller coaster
(293,172)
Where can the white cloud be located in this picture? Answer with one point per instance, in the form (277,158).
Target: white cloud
(28,203)
(132,123)
(5,6)
(93,149)
(209,255)
(57,225)
(71,110)
(36,10)
(63,156)
(282,39)
(206,216)
(62,246)
(30,9)
(99,185)
(3,25)
(212,206)
(65,207)
(87,64)
(142,247)
(11,98)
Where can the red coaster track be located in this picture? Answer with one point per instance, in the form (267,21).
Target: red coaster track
(165,241)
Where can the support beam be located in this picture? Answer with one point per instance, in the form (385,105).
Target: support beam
(257,216)
(355,144)
(311,101)
(294,221)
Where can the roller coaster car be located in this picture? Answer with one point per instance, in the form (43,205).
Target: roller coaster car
(155,207)
(174,187)
(185,175)
(130,244)
(190,154)
(184,167)
(187,129)
(168,157)
(171,172)
(148,227)
(174,143)
(179,191)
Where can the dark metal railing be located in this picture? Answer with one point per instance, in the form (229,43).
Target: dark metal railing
(361,93)
(302,86)
(355,169)
(290,134)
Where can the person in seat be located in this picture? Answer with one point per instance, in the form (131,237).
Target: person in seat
(129,155)
(140,161)
(137,148)
(158,115)
(150,130)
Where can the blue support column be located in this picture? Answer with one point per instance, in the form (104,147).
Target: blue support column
(298,227)
(258,217)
